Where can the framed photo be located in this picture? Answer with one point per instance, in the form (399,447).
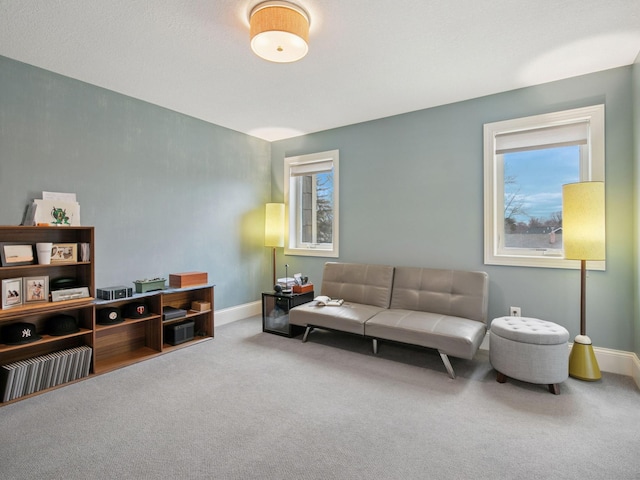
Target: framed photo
(36,289)
(11,292)
(16,254)
(64,253)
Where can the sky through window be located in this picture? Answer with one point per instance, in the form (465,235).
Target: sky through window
(534,180)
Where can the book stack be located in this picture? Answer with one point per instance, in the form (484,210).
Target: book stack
(286,282)
(39,373)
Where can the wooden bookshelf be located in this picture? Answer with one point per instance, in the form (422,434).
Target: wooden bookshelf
(113,346)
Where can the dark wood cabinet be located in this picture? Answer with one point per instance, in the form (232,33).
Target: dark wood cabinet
(275,312)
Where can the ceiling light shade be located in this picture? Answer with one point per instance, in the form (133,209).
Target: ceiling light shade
(279,31)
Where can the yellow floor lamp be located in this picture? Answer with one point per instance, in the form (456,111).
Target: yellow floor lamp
(583,232)
(274,230)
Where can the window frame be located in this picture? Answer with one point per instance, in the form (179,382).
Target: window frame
(292,246)
(592,168)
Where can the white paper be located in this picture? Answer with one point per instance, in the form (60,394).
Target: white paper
(59,196)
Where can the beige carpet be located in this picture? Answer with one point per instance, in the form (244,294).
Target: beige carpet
(251,405)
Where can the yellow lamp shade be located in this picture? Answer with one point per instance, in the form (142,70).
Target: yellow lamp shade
(279,31)
(583,221)
(274,225)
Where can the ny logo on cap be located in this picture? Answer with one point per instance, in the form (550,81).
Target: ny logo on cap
(26,333)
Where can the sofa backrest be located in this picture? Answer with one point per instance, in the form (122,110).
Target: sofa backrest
(358,283)
(447,292)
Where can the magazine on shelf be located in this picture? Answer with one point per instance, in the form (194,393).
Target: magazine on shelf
(324,301)
(7,374)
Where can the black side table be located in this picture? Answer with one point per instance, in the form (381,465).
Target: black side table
(275,312)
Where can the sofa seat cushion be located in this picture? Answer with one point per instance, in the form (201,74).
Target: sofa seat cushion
(349,317)
(456,336)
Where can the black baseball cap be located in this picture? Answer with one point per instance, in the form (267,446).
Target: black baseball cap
(136,310)
(109,316)
(62,325)
(19,333)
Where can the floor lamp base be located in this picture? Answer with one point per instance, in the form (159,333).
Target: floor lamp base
(582,361)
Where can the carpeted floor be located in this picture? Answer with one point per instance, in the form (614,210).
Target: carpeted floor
(251,405)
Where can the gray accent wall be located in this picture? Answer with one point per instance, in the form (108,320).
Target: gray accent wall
(166,193)
(411,193)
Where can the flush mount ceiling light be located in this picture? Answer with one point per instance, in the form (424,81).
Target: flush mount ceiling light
(279,31)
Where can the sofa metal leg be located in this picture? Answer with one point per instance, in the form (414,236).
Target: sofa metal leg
(375,346)
(447,364)
(306,334)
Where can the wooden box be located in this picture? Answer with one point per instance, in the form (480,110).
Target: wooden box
(303,288)
(187,279)
(199,306)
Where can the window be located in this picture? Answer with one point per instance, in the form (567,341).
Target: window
(311,198)
(526,162)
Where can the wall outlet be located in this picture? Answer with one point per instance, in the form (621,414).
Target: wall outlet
(515,311)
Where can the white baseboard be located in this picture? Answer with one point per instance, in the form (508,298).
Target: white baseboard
(613,361)
(231,314)
(616,361)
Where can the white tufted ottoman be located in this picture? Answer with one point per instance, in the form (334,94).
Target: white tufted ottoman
(530,350)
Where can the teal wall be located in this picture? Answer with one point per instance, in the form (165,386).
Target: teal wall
(411,193)
(166,193)
(169,193)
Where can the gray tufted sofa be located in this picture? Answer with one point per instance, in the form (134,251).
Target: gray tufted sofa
(441,309)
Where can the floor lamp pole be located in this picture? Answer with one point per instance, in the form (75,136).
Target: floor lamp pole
(274,267)
(582,360)
(583,297)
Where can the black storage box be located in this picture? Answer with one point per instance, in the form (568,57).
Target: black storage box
(179,332)
(171,313)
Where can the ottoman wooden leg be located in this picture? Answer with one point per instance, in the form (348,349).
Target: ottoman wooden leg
(501,377)
(554,388)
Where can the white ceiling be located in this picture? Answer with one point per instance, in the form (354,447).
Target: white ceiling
(368,59)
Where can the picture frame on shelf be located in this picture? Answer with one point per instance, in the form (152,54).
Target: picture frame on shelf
(14,254)
(64,253)
(11,292)
(36,289)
